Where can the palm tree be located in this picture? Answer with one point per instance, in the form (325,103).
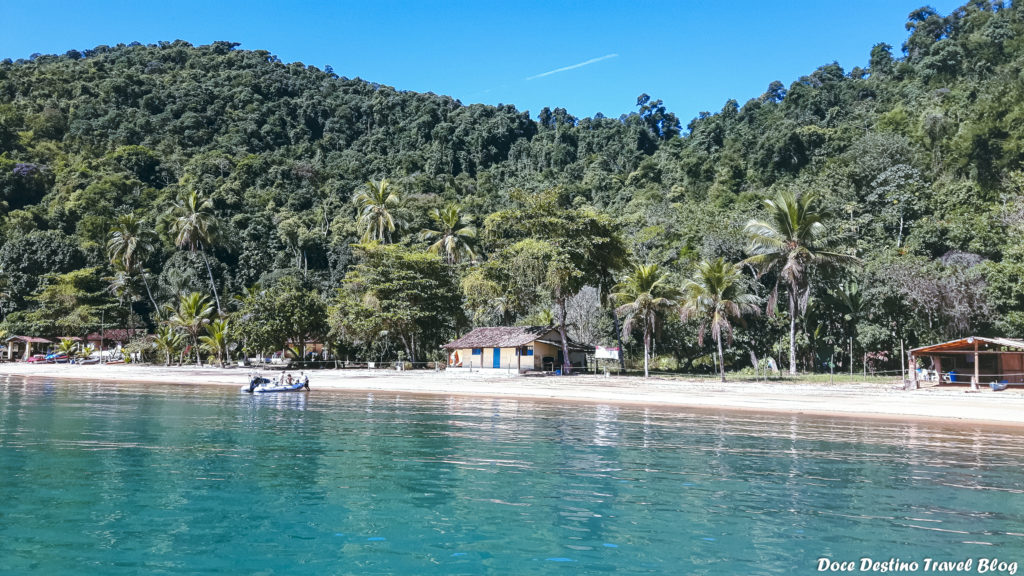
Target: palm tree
(193,313)
(121,285)
(86,351)
(216,339)
(130,244)
(849,300)
(791,241)
(716,297)
(68,347)
(454,236)
(169,341)
(376,203)
(643,295)
(195,227)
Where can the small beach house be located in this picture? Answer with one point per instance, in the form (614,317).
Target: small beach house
(973,358)
(519,348)
(111,338)
(22,347)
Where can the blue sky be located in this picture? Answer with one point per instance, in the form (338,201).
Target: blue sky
(587,57)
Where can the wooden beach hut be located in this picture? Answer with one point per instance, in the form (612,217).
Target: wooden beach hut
(25,346)
(974,359)
(520,348)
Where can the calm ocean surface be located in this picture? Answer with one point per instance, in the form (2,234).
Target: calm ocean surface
(126,479)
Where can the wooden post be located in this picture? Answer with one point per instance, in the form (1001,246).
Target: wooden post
(913,370)
(974,383)
(937,362)
(903,360)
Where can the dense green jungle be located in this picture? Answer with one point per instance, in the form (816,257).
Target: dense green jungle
(219,200)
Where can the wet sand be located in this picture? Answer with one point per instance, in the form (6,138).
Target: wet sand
(865,399)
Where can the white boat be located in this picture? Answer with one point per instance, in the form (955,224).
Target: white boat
(258,384)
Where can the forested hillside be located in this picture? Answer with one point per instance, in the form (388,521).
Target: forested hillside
(299,205)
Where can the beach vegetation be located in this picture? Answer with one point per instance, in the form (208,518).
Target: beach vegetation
(168,341)
(289,314)
(406,295)
(382,220)
(716,297)
(793,242)
(192,315)
(217,339)
(644,296)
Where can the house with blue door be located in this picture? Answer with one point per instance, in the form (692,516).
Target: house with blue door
(513,348)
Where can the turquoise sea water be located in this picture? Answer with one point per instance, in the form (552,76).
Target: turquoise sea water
(133,479)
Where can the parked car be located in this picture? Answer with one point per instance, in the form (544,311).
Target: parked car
(36,358)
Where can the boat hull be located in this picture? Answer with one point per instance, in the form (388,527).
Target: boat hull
(265,385)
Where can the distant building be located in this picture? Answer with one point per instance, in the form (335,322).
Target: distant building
(520,348)
(112,338)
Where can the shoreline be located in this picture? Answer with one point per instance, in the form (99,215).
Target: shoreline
(951,405)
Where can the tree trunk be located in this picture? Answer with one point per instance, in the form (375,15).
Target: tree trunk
(647,346)
(721,357)
(792,331)
(408,347)
(148,292)
(566,365)
(199,355)
(851,356)
(618,340)
(213,286)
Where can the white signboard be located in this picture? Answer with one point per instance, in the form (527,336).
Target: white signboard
(606,353)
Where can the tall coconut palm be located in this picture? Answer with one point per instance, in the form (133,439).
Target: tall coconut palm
(716,297)
(122,286)
(643,296)
(376,203)
(791,241)
(216,339)
(129,245)
(454,236)
(193,313)
(195,227)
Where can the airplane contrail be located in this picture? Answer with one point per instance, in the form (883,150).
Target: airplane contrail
(580,65)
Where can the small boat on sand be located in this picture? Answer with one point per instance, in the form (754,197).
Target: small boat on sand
(998,386)
(283,383)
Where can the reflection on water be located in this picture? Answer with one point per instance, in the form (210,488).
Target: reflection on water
(108,479)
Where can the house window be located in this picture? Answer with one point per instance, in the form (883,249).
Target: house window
(478,351)
(524,351)
(529,350)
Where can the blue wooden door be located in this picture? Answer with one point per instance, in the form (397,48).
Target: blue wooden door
(497,358)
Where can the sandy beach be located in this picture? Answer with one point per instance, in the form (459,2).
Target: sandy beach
(867,399)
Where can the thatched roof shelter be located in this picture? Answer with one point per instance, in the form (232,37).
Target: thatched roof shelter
(499,337)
